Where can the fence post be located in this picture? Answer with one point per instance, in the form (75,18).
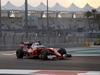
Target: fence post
(59,37)
(4,38)
(13,39)
(54,39)
(22,37)
(29,37)
(36,36)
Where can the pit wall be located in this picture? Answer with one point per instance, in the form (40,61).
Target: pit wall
(15,47)
(62,45)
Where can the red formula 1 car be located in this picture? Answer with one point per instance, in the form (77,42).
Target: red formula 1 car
(40,51)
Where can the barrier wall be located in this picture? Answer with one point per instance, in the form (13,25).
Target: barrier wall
(67,45)
(15,47)
(8,47)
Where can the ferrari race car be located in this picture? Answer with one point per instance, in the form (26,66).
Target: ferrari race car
(40,51)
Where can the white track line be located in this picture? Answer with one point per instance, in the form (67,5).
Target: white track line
(8,53)
(37,72)
(85,54)
(12,71)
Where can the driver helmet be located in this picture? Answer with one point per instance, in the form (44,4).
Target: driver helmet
(39,42)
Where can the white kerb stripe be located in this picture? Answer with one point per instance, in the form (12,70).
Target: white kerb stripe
(12,71)
(90,73)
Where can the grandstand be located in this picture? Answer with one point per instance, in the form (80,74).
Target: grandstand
(35,22)
(64,25)
(78,27)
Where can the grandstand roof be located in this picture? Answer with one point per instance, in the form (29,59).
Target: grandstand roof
(87,7)
(74,8)
(29,7)
(98,9)
(58,7)
(9,6)
(43,7)
(2,8)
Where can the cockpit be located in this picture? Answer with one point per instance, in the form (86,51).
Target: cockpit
(37,45)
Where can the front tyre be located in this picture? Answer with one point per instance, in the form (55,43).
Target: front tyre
(62,51)
(19,53)
(69,55)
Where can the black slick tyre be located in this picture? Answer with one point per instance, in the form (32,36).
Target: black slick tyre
(62,51)
(19,53)
(69,55)
(44,54)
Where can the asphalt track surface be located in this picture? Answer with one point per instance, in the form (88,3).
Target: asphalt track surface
(8,60)
(86,63)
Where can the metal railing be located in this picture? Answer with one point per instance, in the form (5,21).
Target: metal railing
(13,39)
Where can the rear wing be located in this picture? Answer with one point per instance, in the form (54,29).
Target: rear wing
(25,43)
(22,44)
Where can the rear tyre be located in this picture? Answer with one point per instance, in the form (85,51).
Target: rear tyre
(44,54)
(19,53)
